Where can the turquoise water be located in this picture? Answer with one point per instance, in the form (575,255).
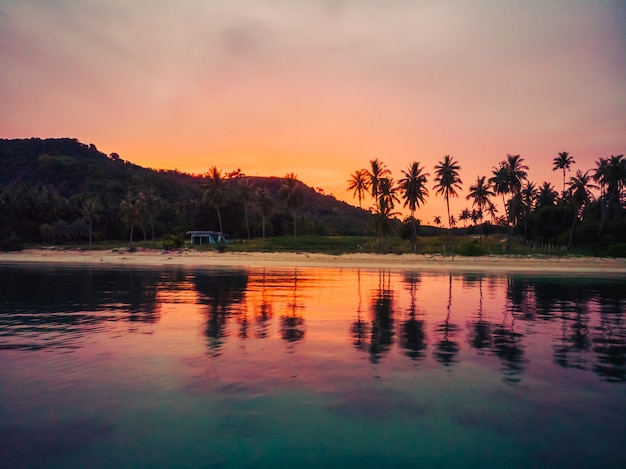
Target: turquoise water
(309,368)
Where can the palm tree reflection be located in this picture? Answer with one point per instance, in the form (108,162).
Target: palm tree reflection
(292,326)
(413,336)
(381,337)
(446,349)
(507,343)
(480,336)
(610,345)
(359,328)
(575,340)
(264,312)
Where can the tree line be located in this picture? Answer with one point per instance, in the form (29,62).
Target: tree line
(535,212)
(63,191)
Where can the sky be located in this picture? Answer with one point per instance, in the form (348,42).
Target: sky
(320,88)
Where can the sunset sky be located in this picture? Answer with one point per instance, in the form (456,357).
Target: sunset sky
(319,88)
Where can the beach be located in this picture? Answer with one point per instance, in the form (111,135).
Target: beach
(192,258)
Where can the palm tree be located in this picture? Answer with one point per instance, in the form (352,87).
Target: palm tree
(564,161)
(481,193)
(499,182)
(447,183)
(414,192)
(245,191)
(528,197)
(215,192)
(377,171)
(437,220)
(509,176)
(546,197)
(131,211)
(359,184)
(90,210)
(464,216)
(264,204)
(291,193)
(579,194)
(386,199)
(611,174)
(149,202)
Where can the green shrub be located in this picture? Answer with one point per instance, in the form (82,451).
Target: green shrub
(172,242)
(617,250)
(472,248)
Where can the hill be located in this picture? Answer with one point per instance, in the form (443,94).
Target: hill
(65,185)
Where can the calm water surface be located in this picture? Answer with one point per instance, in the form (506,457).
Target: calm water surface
(106,367)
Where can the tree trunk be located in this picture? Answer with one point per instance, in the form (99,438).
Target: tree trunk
(219,218)
(571,233)
(245,209)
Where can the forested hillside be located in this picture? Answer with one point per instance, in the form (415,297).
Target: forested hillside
(54,190)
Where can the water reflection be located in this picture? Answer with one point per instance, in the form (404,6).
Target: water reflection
(413,333)
(381,331)
(292,323)
(480,330)
(446,348)
(221,293)
(507,319)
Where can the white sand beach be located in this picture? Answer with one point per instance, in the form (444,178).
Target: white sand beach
(149,257)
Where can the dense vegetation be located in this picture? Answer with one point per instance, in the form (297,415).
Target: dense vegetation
(535,215)
(63,191)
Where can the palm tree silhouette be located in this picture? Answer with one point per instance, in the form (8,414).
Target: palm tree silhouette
(414,192)
(264,204)
(508,179)
(359,184)
(245,191)
(579,194)
(215,192)
(447,183)
(528,198)
(611,174)
(385,208)
(377,171)
(481,193)
(291,193)
(437,220)
(563,162)
(546,197)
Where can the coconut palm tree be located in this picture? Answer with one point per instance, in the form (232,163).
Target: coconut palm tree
(291,193)
(611,174)
(265,205)
(377,171)
(481,194)
(149,204)
(448,182)
(414,193)
(499,182)
(464,216)
(245,193)
(131,208)
(215,193)
(359,184)
(90,209)
(528,198)
(563,162)
(387,198)
(508,177)
(546,196)
(579,195)
(437,220)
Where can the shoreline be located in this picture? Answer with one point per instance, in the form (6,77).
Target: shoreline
(190,258)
